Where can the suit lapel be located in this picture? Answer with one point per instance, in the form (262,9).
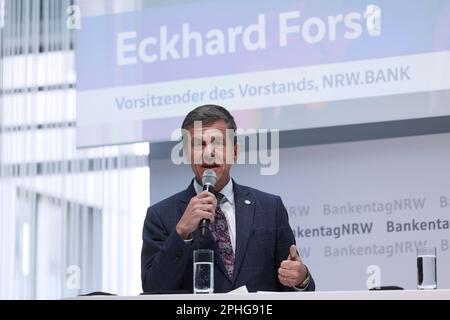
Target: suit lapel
(244,210)
(184,198)
(188,194)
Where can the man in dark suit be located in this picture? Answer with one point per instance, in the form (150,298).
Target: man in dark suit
(250,233)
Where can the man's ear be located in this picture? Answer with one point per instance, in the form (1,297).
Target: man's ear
(236,150)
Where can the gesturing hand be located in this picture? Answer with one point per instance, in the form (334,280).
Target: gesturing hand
(292,271)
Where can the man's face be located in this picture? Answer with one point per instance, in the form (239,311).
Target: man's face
(209,151)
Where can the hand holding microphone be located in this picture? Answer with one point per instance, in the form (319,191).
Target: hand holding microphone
(200,210)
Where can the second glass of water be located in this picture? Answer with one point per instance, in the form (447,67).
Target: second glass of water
(426,268)
(203,271)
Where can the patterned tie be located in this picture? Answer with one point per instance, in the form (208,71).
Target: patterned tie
(221,234)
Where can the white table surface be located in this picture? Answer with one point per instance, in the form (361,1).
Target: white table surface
(440,294)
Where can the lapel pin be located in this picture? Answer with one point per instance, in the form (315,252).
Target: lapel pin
(247,202)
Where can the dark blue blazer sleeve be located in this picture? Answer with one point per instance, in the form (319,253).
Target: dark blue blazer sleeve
(164,256)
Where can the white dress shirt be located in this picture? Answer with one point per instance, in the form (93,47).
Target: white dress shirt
(227,206)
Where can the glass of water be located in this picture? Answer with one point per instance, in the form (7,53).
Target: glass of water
(203,271)
(426,268)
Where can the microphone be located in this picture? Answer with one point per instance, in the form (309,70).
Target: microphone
(209,180)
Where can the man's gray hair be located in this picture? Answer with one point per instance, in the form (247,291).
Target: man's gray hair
(209,114)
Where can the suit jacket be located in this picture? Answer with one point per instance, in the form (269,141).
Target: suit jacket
(263,238)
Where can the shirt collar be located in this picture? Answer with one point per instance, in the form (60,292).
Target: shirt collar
(227,190)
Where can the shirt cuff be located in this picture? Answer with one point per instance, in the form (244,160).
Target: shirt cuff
(189,241)
(301,289)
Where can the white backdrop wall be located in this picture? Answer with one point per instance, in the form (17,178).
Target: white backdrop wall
(376,185)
